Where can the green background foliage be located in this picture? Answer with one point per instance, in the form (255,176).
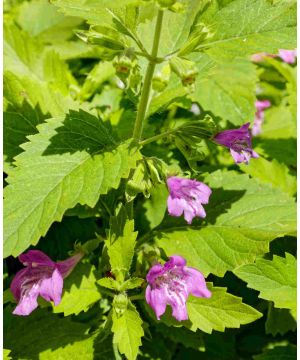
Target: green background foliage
(77,176)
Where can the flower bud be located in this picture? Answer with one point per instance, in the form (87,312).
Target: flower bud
(120,303)
(161,79)
(123,65)
(198,36)
(105,41)
(185,69)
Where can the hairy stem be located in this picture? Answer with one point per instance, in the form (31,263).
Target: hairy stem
(142,108)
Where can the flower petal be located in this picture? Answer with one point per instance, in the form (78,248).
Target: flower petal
(177,300)
(16,284)
(189,214)
(65,267)
(254,154)
(157,299)
(35,258)
(176,260)
(175,206)
(28,301)
(196,283)
(155,271)
(288,56)
(51,288)
(237,157)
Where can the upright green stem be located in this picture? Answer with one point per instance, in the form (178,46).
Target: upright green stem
(142,108)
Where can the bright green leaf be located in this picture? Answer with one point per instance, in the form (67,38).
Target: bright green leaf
(72,164)
(132,283)
(243,216)
(120,243)
(272,172)
(246,27)
(227,89)
(221,311)
(80,291)
(128,332)
(48,24)
(156,205)
(276,280)
(6,355)
(93,11)
(109,283)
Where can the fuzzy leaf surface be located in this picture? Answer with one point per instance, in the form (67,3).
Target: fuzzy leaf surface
(128,332)
(74,160)
(276,280)
(221,311)
(243,216)
(121,242)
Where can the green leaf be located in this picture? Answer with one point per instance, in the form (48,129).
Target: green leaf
(276,280)
(288,352)
(8,296)
(94,11)
(49,24)
(22,54)
(272,172)
(246,27)
(80,291)
(129,284)
(40,96)
(173,93)
(132,283)
(274,127)
(279,321)
(226,88)
(109,283)
(72,164)
(243,216)
(128,332)
(57,74)
(221,311)
(120,243)
(50,337)
(155,206)
(95,78)
(6,355)
(18,123)
(175,28)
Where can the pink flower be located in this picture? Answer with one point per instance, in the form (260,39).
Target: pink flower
(187,196)
(288,56)
(171,284)
(260,105)
(259,57)
(40,277)
(239,142)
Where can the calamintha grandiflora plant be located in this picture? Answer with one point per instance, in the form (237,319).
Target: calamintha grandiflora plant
(132,176)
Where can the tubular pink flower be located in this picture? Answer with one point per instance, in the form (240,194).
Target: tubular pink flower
(239,142)
(171,284)
(260,105)
(288,56)
(40,277)
(187,196)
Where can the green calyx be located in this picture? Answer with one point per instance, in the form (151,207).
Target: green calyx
(185,69)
